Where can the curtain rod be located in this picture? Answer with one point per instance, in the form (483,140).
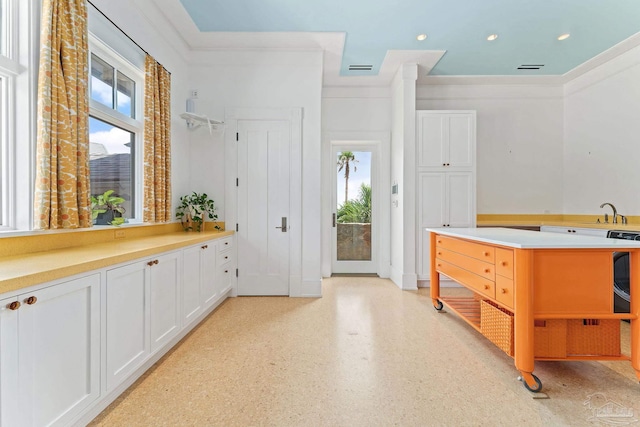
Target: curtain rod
(122,31)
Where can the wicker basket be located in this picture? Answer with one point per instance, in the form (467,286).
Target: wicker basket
(496,324)
(593,337)
(550,338)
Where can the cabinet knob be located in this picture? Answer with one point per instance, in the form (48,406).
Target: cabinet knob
(485,253)
(205,246)
(226,243)
(14,305)
(487,286)
(226,271)
(503,290)
(31,300)
(439,253)
(150,263)
(227,257)
(444,164)
(155,261)
(487,270)
(503,263)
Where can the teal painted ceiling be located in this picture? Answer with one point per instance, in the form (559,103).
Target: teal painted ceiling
(527,29)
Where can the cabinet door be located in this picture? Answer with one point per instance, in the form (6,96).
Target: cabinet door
(127,321)
(191,300)
(460,198)
(59,357)
(431,139)
(461,140)
(165,298)
(432,190)
(9,411)
(209,290)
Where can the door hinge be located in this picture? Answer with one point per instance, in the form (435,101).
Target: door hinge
(237,227)
(237,182)
(237,136)
(236,272)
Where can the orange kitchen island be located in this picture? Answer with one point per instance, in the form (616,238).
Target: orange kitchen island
(537,295)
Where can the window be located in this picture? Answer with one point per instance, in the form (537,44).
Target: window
(115,133)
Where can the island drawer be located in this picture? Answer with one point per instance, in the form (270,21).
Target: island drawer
(474,250)
(481,268)
(467,278)
(504,291)
(504,262)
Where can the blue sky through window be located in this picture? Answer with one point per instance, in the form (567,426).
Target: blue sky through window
(362,174)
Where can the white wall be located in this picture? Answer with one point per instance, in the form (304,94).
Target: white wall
(356,114)
(519,143)
(257,79)
(142,23)
(602,144)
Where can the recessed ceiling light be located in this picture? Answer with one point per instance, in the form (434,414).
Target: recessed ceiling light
(421,37)
(564,36)
(492,37)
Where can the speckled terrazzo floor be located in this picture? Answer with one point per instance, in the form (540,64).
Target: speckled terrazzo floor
(366,354)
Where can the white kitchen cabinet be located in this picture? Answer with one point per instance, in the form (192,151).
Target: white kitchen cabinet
(50,359)
(446,139)
(9,411)
(127,321)
(164,298)
(209,288)
(192,303)
(224,262)
(575,230)
(445,199)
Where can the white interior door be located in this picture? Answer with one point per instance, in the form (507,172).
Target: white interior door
(263,187)
(354,198)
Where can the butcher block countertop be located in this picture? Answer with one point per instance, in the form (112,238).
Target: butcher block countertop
(41,257)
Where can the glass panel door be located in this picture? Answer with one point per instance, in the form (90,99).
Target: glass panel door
(354,237)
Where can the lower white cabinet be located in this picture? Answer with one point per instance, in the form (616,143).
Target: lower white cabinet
(224,263)
(445,199)
(600,232)
(50,359)
(165,298)
(127,321)
(199,288)
(57,342)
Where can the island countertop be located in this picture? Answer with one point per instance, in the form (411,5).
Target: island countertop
(525,239)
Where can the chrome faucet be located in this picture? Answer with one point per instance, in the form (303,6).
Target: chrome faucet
(615,211)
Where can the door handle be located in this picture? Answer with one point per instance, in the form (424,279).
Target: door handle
(334,220)
(283,228)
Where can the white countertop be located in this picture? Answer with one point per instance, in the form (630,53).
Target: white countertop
(525,239)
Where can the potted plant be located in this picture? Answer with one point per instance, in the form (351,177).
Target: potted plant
(107,209)
(193,211)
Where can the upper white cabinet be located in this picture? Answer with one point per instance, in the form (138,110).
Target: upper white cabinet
(446,174)
(50,359)
(446,139)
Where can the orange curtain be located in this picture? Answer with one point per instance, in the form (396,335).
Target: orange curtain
(62,190)
(157,142)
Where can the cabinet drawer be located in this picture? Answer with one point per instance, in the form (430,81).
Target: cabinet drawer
(470,280)
(481,268)
(223,257)
(504,262)
(473,250)
(224,244)
(504,291)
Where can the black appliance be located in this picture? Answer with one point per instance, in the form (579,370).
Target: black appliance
(621,298)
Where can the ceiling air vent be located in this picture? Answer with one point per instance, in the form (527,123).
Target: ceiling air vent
(530,66)
(360,67)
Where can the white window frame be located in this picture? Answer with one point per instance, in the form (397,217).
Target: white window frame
(118,119)
(10,69)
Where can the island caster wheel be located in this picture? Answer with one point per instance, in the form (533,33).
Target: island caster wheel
(537,387)
(438,306)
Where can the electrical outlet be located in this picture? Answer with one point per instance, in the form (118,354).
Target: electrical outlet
(119,234)
(194,94)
